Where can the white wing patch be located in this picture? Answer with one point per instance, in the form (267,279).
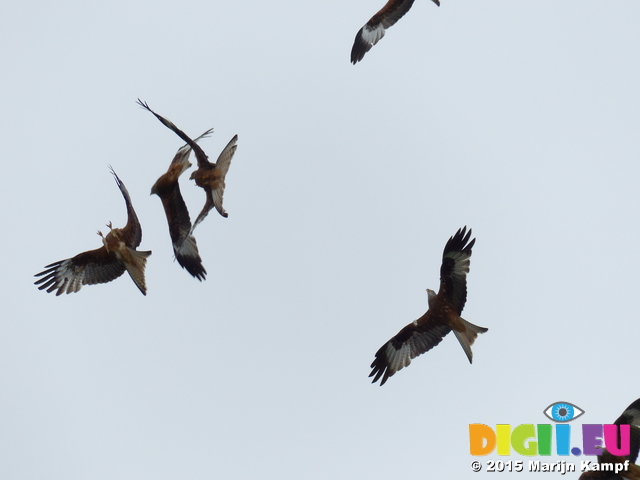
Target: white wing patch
(398,359)
(188,248)
(67,278)
(372,35)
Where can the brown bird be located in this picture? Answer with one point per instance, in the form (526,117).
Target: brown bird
(631,417)
(376,27)
(210,176)
(443,314)
(104,264)
(168,189)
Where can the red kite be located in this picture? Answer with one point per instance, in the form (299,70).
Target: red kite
(168,189)
(631,416)
(442,316)
(376,27)
(104,264)
(209,176)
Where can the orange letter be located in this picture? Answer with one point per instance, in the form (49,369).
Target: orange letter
(478,434)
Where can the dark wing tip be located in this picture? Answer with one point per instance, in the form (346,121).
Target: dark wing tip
(193,266)
(380,366)
(49,279)
(115,175)
(360,47)
(185,250)
(458,242)
(437,2)
(145,105)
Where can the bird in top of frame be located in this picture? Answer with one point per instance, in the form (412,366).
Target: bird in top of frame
(377,25)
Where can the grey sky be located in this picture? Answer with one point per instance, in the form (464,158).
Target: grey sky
(517,119)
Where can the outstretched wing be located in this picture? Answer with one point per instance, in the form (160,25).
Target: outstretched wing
(375,28)
(224,159)
(200,155)
(87,268)
(454,269)
(132,231)
(415,339)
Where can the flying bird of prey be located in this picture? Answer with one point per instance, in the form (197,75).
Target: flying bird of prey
(209,176)
(104,264)
(631,417)
(168,189)
(443,314)
(377,25)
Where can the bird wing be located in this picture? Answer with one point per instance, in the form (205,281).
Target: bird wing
(208,205)
(202,158)
(87,268)
(375,28)
(224,159)
(415,339)
(188,257)
(454,269)
(223,163)
(132,231)
(184,244)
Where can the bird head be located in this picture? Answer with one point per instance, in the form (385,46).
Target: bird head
(431,295)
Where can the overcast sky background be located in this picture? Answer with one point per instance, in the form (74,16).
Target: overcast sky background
(518,119)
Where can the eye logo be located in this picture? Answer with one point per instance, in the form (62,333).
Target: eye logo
(563,412)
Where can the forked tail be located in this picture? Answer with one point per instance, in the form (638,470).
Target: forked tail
(136,268)
(469,336)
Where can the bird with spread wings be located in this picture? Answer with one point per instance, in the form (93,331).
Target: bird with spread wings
(443,314)
(631,417)
(180,230)
(377,25)
(209,176)
(117,255)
